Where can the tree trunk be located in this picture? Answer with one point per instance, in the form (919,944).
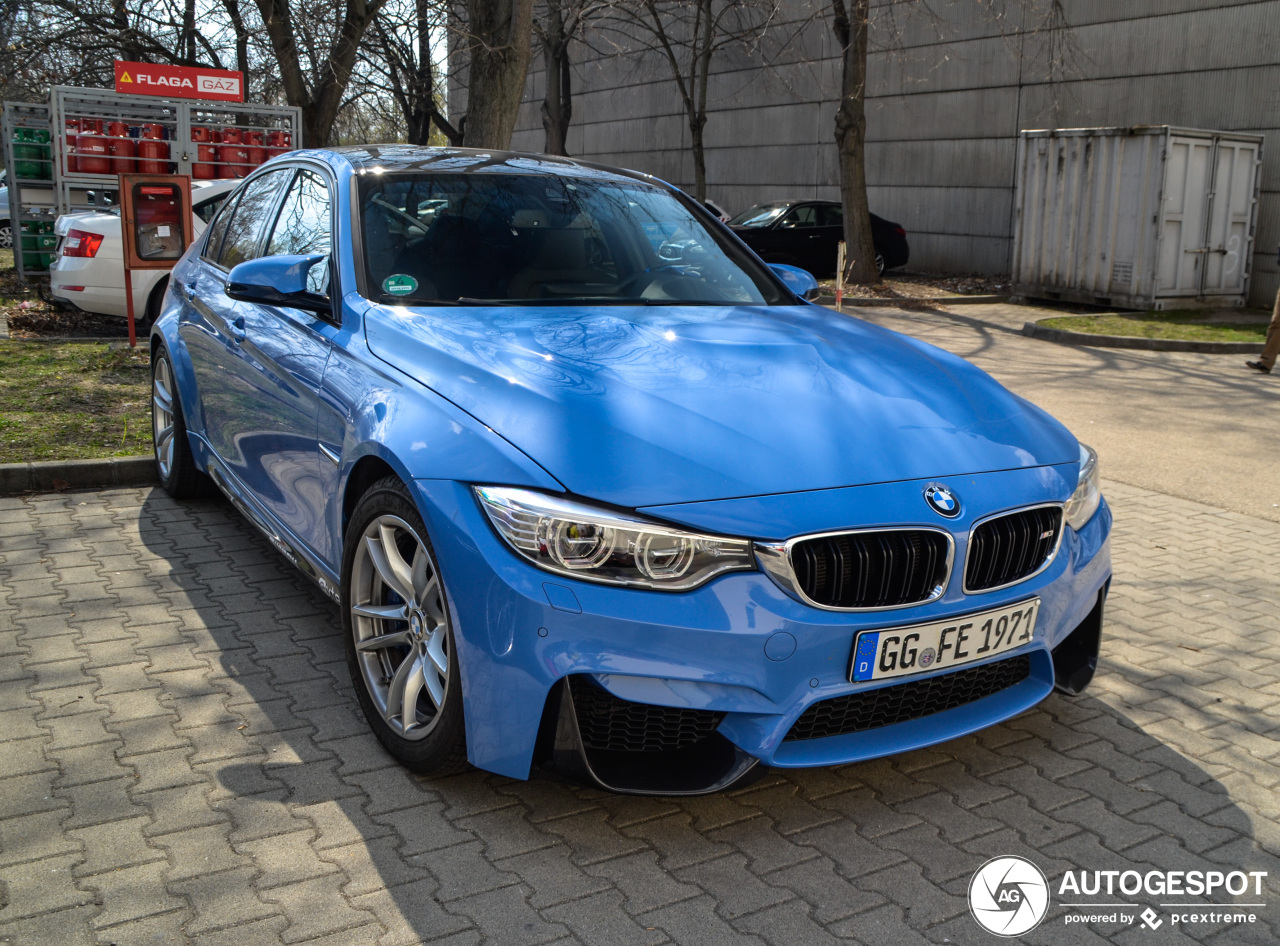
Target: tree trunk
(696,126)
(319,103)
(850,26)
(242,41)
(499,47)
(557,103)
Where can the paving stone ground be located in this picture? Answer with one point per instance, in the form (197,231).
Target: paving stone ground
(182,761)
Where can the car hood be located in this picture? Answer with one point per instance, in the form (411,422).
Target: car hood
(655,405)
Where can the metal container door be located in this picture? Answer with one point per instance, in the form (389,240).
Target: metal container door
(1189,173)
(1230,218)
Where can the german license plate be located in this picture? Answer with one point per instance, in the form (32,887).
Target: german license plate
(899,651)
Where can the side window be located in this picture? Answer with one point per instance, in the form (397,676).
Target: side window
(205,209)
(831,216)
(303,227)
(806,216)
(247,221)
(214,243)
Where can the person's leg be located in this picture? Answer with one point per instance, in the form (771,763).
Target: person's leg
(1271,348)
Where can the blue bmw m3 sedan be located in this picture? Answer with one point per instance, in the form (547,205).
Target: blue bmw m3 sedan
(593,487)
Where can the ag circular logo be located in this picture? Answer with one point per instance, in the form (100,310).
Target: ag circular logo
(942,501)
(1008,896)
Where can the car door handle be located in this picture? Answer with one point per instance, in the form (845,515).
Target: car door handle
(237,329)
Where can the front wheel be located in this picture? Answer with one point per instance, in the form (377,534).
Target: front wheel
(400,640)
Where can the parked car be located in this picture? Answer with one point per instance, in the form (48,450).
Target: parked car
(721,214)
(593,486)
(88,268)
(805,233)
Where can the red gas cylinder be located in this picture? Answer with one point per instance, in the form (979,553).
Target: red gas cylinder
(69,154)
(153,150)
(121,147)
(91,148)
(253,143)
(206,155)
(233,156)
(277,143)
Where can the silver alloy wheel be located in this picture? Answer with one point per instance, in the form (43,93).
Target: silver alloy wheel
(879,264)
(6,237)
(400,628)
(162,416)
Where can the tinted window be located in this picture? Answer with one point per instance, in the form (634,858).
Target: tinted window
(476,238)
(806,216)
(302,228)
(244,228)
(831,216)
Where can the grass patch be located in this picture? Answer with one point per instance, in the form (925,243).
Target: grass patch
(1186,326)
(73,400)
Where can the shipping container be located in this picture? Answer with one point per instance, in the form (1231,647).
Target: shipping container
(1149,217)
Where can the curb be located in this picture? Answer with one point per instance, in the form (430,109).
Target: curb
(57,475)
(829,300)
(1063,337)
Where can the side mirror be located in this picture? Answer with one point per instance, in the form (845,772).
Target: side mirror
(800,281)
(277,280)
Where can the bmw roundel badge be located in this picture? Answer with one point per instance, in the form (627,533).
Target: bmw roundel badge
(942,501)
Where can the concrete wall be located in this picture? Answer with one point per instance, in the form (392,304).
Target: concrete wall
(947,94)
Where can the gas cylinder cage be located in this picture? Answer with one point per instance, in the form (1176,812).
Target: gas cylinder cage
(64,157)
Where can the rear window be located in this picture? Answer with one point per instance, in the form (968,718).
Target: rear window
(477,239)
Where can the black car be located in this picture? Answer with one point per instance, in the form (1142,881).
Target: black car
(804,233)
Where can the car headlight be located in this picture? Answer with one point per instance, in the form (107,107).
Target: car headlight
(582,541)
(1084,501)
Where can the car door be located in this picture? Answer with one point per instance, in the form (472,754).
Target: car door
(796,234)
(262,420)
(830,233)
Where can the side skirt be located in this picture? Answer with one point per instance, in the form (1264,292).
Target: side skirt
(280,537)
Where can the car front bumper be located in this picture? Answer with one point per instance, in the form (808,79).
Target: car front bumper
(738,646)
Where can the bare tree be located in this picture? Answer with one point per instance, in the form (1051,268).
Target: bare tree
(331,54)
(497,40)
(850,21)
(688,35)
(557,25)
(401,63)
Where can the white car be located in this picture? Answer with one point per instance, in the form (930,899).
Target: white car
(88,271)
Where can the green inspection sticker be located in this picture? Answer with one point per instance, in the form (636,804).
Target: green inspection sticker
(399,284)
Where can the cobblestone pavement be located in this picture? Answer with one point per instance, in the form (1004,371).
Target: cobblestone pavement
(182,760)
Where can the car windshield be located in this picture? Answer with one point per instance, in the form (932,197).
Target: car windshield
(505,239)
(761,215)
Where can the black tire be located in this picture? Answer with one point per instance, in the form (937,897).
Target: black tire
(434,741)
(175,464)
